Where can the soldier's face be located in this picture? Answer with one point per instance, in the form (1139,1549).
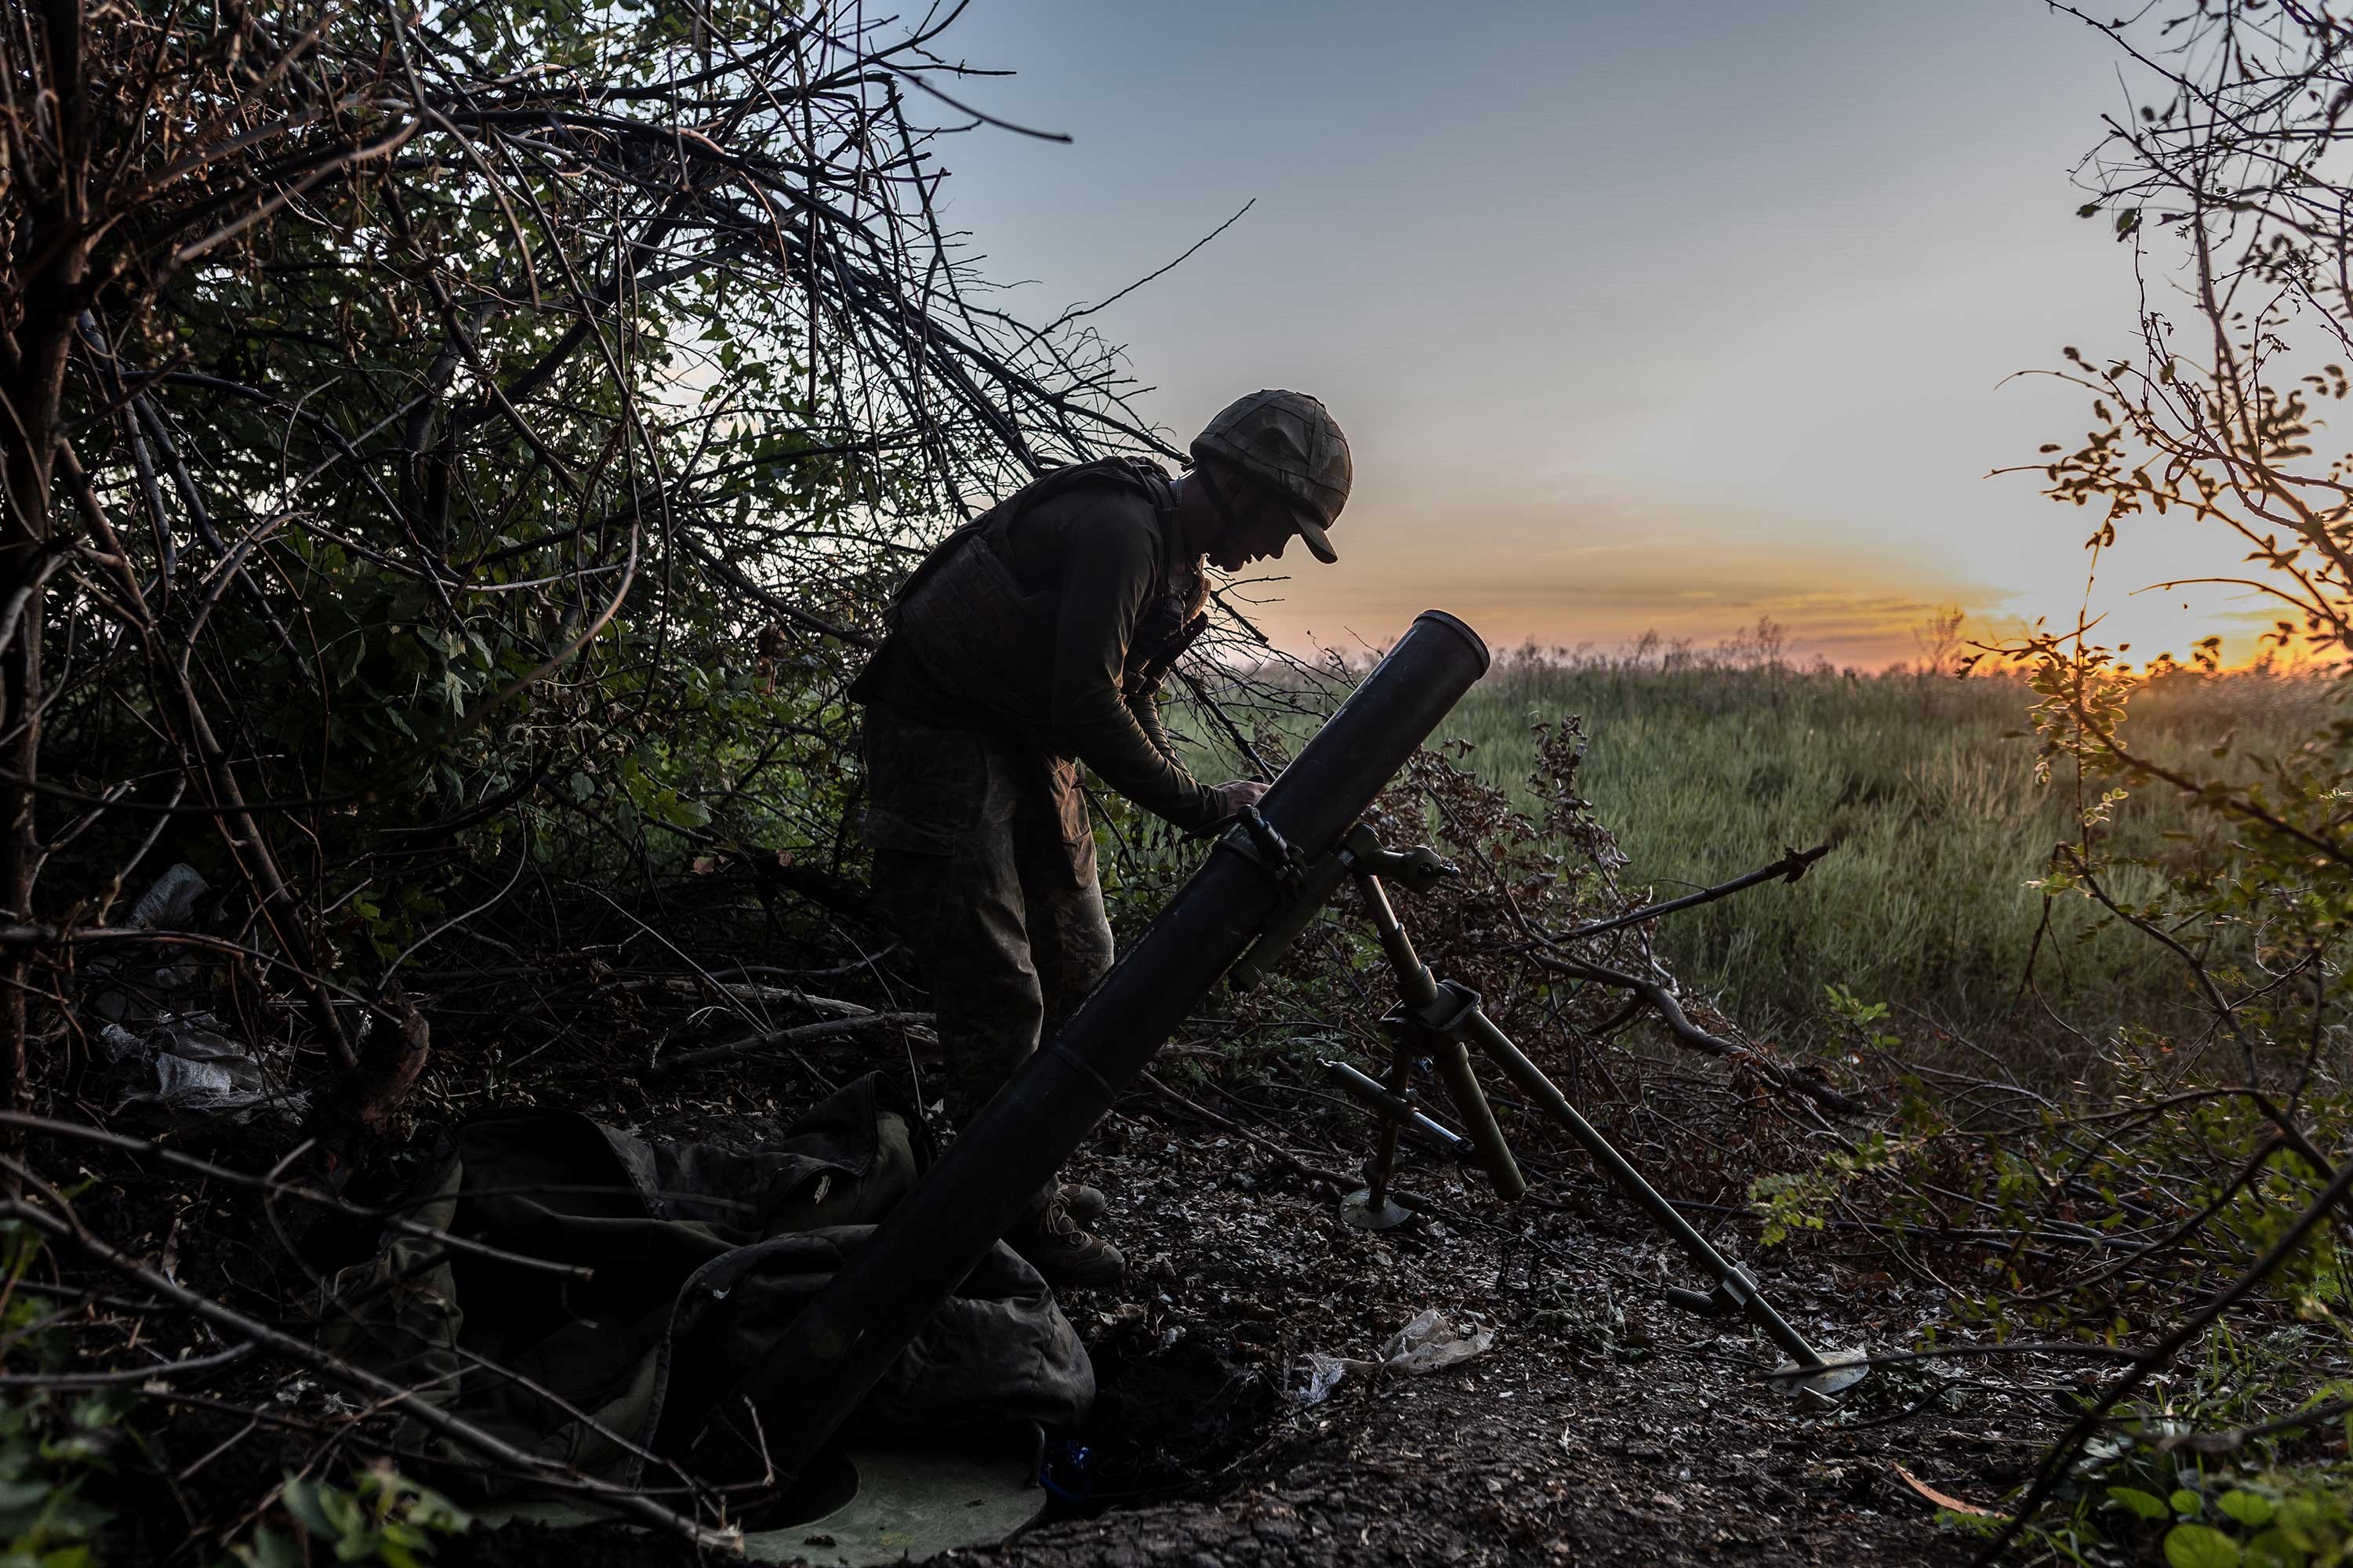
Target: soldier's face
(1261,534)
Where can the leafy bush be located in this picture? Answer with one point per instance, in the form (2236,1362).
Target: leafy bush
(383,1518)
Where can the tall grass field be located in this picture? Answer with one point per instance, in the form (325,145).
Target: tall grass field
(1927,787)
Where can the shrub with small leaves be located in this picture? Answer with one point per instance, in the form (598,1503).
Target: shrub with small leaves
(384,1518)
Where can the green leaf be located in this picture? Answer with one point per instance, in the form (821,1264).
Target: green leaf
(99,1411)
(2200,1546)
(433,1511)
(269,1549)
(303,1501)
(2276,1548)
(16,1495)
(2187,1504)
(2249,1509)
(2145,1504)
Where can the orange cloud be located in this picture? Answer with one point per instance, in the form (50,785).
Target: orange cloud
(1589,563)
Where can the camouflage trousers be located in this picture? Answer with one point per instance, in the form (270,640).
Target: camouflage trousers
(985,865)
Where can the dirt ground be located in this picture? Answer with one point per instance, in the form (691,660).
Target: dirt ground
(1603,1426)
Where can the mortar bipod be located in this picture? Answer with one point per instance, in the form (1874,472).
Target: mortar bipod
(1442,1019)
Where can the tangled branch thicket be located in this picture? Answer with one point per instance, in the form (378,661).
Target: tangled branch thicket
(450,457)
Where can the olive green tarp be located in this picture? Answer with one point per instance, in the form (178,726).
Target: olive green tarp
(702,1255)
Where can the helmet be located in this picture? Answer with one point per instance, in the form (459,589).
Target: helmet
(1289,442)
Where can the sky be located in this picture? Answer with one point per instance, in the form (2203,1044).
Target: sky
(1638,317)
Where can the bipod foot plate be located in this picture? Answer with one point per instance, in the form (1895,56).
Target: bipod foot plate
(1358,1211)
(1816,1385)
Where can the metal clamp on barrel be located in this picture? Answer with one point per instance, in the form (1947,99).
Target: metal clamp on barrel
(1307,888)
(1418,869)
(1260,843)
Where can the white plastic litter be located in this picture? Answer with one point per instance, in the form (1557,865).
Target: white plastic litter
(1313,1377)
(194,1069)
(1435,1340)
(178,1063)
(171,903)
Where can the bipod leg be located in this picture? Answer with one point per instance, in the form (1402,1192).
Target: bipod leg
(1735,1290)
(1478,1117)
(1415,1019)
(1372,1208)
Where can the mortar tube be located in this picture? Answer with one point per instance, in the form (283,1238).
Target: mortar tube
(846,1339)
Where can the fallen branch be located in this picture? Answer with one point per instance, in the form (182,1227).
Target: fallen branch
(119,1375)
(1664,1002)
(692,988)
(689,1060)
(1671,1013)
(2237,1438)
(1787,868)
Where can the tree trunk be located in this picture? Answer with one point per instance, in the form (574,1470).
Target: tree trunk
(32,376)
(20,723)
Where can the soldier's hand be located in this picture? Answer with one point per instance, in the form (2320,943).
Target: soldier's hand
(1236,794)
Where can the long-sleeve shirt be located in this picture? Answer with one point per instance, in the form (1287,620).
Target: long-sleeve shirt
(1092,561)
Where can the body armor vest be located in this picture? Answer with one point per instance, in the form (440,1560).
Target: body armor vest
(974,634)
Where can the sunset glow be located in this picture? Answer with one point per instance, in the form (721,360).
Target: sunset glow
(1631,328)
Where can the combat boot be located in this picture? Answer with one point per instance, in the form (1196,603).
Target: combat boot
(1058,1249)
